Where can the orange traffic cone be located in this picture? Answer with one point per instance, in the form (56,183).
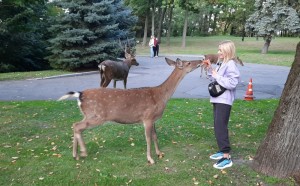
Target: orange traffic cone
(249,92)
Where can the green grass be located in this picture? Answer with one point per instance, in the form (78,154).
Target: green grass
(30,75)
(281,52)
(36,146)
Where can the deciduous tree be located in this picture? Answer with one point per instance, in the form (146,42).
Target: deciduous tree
(270,18)
(279,153)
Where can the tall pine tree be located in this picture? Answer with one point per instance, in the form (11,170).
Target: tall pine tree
(23,35)
(88,32)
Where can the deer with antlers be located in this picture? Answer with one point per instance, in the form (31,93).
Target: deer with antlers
(116,70)
(128,106)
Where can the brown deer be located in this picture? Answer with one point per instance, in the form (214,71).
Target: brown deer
(128,106)
(213,58)
(117,71)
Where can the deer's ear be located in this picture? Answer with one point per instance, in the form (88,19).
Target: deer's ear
(170,62)
(179,63)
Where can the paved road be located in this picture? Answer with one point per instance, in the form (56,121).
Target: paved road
(268,81)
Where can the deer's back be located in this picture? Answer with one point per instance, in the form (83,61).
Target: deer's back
(122,106)
(114,69)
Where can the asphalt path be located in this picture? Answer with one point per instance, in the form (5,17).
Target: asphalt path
(268,81)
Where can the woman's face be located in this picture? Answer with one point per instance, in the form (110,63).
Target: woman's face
(220,53)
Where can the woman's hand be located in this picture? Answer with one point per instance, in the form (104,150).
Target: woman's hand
(207,64)
(214,73)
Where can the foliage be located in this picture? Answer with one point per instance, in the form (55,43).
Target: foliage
(88,32)
(36,143)
(23,35)
(272,17)
(282,51)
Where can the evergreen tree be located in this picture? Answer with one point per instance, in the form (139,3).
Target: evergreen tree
(23,35)
(88,32)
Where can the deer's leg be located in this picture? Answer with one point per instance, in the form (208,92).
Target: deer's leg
(125,82)
(78,129)
(148,134)
(115,83)
(102,81)
(78,139)
(101,78)
(154,138)
(106,83)
(201,71)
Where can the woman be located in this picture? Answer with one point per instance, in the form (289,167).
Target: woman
(227,75)
(151,45)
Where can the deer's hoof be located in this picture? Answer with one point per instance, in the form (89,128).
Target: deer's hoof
(83,154)
(161,155)
(76,158)
(150,162)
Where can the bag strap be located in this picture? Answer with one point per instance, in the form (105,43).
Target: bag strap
(220,66)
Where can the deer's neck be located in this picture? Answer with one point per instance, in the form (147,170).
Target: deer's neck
(127,62)
(168,87)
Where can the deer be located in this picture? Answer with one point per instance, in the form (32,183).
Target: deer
(213,58)
(116,70)
(128,106)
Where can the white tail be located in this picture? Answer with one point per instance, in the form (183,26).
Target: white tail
(70,94)
(140,105)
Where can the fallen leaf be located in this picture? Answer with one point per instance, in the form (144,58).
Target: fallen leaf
(54,148)
(57,155)
(216,176)
(223,171)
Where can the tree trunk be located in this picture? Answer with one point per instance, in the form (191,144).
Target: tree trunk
(170,22)
(265,49)
(161,18)
(184,29)
(153,21)
(279,153)
(145,30)
(205,24)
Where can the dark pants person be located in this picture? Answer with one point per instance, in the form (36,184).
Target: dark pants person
(221,119)
(157,50)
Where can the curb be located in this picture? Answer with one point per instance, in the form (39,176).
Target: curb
(66,75)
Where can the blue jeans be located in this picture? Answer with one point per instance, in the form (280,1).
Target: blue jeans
(151,52)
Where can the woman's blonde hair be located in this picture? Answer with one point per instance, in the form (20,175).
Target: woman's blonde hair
(228,49)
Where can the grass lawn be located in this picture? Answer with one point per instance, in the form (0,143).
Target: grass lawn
(36,146)
(281,52)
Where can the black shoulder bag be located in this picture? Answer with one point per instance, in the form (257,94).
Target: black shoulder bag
(215,89)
